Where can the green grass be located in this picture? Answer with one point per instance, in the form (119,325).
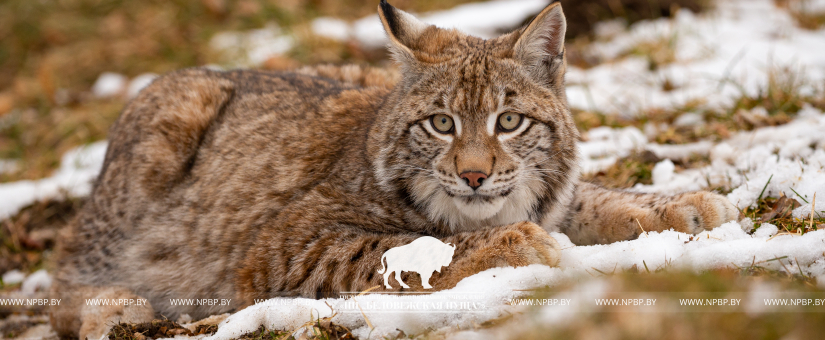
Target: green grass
(771,210)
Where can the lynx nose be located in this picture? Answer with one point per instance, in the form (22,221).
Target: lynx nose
(473,178)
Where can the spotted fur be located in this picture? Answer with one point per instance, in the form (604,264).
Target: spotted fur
(246,185)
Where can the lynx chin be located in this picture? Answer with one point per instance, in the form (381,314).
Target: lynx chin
(249,184)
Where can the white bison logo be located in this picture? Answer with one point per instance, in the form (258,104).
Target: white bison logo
(424,255)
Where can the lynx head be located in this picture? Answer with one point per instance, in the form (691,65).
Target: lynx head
(477,133)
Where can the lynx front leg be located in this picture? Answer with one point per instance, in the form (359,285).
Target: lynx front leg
(599,215)
(516,245)
(325,259)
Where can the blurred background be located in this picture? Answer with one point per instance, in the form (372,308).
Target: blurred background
(53,52)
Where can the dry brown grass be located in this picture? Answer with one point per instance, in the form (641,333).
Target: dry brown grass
(780,98)
(38,138)
(627,171)
(777,211)
(658,52)
(26,237)
(583,15)
(804,17)
(156,329)
(699,323)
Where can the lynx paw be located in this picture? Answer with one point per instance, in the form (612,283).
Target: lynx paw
(523,244)
(697,211)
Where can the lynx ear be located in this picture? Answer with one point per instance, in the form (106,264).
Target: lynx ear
(403,29)
(540,46)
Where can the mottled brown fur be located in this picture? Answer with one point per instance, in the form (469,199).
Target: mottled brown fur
(247,184)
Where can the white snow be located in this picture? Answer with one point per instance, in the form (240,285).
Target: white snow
(253,47)
(483,19)
(13,276)
(662,172)
(689,119)
(109,84)
(792,156)
(138,83)
(718,54)
(77,169)
(37,281)
(766,230)
(333,28)
(680,151)
(8,166)
(604,146)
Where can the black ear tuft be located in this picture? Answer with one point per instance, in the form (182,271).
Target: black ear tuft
(391,17)
(402,29)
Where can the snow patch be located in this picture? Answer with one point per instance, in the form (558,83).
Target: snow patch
(663,172)
(766,230)
(332,28)
(138,83)
(604,146)
(483,19)
(109,84)
(689,119)
(13,277)
(8,166)
(37,281)
(717,55)
(787,159)
(253,47)
(78,168)
(680,151)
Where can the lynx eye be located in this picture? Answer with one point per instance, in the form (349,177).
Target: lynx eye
(509,121)
(442,123)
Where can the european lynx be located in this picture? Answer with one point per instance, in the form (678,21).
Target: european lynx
(247,184)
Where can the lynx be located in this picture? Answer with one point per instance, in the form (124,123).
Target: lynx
(247,184)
